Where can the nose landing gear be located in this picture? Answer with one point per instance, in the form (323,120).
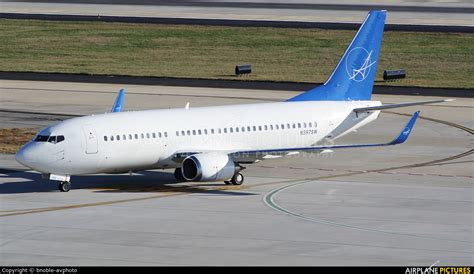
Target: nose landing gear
(65,181)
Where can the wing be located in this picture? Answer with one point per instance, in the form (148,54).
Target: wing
(250,156)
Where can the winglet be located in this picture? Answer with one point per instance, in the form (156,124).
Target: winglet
(406,131)
(119,101)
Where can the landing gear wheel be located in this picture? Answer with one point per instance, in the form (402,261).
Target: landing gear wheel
(64,186)
(238,179)
(178,175)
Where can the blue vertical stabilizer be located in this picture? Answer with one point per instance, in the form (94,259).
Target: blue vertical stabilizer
(353,78)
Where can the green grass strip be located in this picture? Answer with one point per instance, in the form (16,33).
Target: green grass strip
(277,54)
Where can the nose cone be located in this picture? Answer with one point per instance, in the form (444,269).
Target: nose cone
(25,156)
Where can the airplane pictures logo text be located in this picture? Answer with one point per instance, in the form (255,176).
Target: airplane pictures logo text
(358,64)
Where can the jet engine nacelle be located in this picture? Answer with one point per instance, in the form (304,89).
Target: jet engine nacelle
(208,167)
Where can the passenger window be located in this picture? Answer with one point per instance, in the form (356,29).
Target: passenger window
(124,137)
(248,128)
(199,132)
(282,126)
(225,130)
(105,138)
(111,138)
(205,131)
(266,128)
(288,126)
(236,129)
(294,125)
(310,124)
(159,134)
(142,135)
(118,137)
(299,125)
(212,131)
(189,132)
(220,131)
(276,127)
(231,130)
(166,134)
(183,133)
(153,135)
(259,128)
(315,124)
(243,129)
(304,125)
(194,132)
(254,128)
(271,127)
(177,133)
(136,136)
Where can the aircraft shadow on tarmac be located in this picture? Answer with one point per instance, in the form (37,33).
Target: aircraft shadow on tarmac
(142,181)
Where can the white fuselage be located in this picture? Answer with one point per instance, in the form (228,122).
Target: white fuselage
(139,140)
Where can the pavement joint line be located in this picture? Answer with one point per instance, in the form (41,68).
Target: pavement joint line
(49,209)
(415,174)
(189,94)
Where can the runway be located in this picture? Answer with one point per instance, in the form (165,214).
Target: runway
(439,13)
(406,205)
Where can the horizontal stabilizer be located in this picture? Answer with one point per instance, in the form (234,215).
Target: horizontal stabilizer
(389,106)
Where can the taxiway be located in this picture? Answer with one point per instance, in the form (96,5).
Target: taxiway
(405,205)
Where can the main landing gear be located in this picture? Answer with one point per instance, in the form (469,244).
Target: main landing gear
(236,180)
(178,175)
(64,186)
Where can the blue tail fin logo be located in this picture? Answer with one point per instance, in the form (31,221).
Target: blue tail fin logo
(353,78)
(359,72)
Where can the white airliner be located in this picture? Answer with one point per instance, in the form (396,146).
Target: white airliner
(213,143)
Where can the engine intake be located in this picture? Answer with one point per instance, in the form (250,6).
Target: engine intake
(208,167)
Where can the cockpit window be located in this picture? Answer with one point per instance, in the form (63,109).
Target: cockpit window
(41,138)
(50,139)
